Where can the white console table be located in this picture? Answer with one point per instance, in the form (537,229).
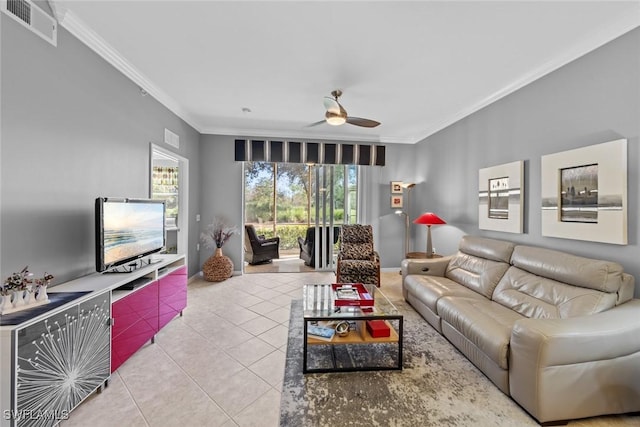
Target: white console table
(52,357)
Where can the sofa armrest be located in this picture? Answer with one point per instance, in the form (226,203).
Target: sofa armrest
(552,358)
(424,266)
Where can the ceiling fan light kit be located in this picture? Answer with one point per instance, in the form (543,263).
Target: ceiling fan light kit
(335,119)
(336,115)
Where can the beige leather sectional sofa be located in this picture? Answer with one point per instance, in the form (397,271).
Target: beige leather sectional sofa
(558,333)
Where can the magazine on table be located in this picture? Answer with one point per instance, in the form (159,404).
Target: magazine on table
(347,293)
(324,333)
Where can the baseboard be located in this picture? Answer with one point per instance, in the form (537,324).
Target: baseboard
(200,275)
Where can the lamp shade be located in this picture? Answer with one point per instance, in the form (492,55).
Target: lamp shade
(429,218)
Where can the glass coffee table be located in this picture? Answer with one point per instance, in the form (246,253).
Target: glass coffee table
(373,340)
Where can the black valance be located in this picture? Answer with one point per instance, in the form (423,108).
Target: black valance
(309,152)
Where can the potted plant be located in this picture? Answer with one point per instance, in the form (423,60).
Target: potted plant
(218,267)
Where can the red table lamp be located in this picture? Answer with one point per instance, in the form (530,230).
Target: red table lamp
(429,219)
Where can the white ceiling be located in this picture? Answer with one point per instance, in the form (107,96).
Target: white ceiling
(415,66)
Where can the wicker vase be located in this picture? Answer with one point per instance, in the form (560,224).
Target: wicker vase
(218,267)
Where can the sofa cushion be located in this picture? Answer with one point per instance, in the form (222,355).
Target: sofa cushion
(478,274)
(538,297)
(575,270)
(429,289)
(496,250)
(484,323)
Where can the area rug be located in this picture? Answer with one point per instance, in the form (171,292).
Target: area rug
(437,387)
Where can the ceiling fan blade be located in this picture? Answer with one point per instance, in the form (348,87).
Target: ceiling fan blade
(331,105)
(365,123)
(316,123)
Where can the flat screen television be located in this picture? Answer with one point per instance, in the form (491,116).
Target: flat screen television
(127,229)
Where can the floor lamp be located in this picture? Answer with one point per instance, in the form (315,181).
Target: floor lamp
(408,186)
(406,232)
(429,219)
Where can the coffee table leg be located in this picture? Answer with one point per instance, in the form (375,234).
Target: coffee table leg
(400,326)
(304,347)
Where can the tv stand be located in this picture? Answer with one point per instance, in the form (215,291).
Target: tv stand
(135,307)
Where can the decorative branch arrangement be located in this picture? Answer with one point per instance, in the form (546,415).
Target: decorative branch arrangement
(217,233)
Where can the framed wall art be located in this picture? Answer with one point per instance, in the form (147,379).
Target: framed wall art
(584,193)
(500,197)
(396,187)
(396,201)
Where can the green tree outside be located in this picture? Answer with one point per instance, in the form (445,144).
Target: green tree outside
(279,199)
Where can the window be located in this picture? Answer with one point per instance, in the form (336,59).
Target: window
(280,199)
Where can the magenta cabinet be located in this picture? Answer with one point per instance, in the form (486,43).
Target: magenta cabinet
(135,321)
(173,295)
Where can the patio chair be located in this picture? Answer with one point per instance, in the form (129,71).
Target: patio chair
(257,248)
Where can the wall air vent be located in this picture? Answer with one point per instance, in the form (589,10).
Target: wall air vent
(32,17)
(171,138)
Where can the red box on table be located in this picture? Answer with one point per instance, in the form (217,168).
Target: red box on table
(378,328)
(365,299)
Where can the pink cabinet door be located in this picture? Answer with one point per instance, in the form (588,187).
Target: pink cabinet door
(173,295)
(135,322)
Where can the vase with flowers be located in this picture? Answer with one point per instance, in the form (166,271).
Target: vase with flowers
(218,267)
(41,287)
(19,284)
(17,292)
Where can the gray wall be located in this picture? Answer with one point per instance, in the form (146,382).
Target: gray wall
(375,183)
(221,193)
(592,100)
(73,129)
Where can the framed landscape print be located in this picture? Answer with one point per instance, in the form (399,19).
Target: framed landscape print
(584,193)
(500,196)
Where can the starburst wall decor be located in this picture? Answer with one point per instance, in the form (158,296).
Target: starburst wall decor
(62,360)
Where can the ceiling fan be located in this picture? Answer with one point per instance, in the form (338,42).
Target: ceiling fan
(336,115)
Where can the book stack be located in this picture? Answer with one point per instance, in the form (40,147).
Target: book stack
(323,333)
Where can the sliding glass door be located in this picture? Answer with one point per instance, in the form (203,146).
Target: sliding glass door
(285,199)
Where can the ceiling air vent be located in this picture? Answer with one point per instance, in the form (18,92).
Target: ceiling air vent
(32,17)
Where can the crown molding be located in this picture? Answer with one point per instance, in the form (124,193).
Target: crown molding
(86,35)
(602,36)
(599,37)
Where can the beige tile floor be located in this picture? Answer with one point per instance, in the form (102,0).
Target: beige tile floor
(221,364)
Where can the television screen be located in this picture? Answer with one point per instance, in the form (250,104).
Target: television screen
(127,229)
